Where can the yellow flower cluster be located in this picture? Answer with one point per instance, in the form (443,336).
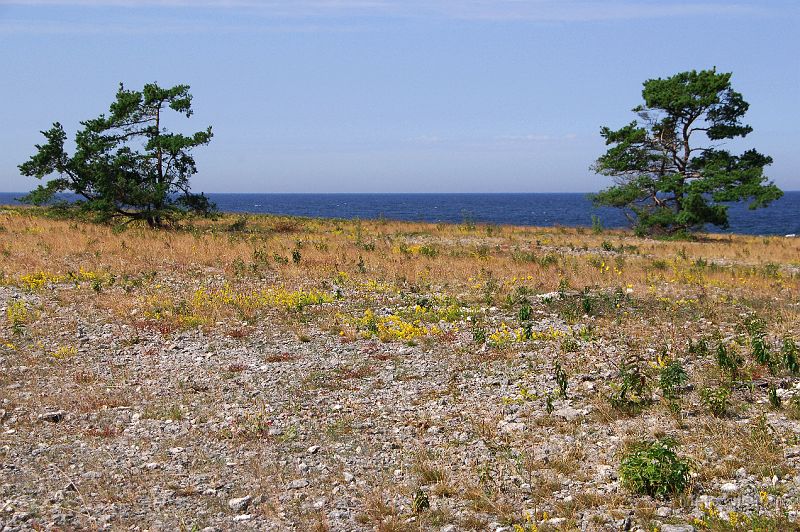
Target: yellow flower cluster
(17,314)
(530,523)
(505,336)
(36,280)
(440,310)
(64,352)
(373,286)
(87,275)
(394,328)
(713,519)
(550,334)
(248,301)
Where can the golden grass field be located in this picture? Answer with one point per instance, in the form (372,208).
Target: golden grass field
(420,359)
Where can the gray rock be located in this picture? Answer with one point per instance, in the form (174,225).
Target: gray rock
(677,528)
(512,427)
(239,504)
(53,417)
(298,484)
(792,452)
(664,511)
(569,413)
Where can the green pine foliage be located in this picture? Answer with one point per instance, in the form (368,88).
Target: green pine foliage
(671,176)
(126,165)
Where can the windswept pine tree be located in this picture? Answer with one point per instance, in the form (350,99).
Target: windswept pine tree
(671,173)
(126,164)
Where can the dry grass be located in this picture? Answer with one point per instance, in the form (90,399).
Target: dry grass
(373,289)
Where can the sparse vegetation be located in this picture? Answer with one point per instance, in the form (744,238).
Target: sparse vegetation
(653,468)
(388,364)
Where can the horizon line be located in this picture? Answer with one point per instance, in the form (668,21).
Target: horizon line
(384,193)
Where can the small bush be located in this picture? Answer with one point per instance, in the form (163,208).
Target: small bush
(570,345)
(429,251)
(716,400)
(761,352)
(700,348)
(653,468)
(790,352)
(671,378)
(597,224)
(728,360)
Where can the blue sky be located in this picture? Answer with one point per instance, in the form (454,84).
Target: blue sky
(394,95)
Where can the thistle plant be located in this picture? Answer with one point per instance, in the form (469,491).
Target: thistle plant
(561,380)
(419,501)
(700,348)
(774,399)
(525,311)
(478,334)
(630,391)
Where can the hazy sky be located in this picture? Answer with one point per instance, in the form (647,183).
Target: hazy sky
(394,95)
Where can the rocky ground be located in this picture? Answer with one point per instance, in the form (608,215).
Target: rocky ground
(120,411)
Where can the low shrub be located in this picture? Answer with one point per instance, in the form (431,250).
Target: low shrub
(653,468)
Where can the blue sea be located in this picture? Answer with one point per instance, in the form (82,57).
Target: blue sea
(566,209)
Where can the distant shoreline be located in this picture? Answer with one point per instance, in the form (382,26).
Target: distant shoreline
(537,209)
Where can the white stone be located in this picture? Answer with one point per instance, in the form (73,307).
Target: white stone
(664,511)
(240,503)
